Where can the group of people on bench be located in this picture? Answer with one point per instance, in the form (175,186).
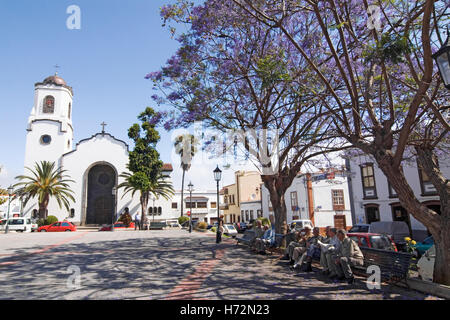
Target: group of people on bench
(337,252)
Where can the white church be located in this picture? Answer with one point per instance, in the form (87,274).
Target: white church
(94,163)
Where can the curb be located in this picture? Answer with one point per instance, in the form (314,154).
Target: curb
(435,289)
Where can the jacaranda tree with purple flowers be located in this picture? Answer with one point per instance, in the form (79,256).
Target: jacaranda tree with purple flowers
(374,63)
(235,74)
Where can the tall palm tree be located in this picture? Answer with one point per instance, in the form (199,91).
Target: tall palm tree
(45,182)
(183,144)
(139,182)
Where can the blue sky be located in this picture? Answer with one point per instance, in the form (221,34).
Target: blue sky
(105,62)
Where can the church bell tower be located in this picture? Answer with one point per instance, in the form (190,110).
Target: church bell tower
(49,129)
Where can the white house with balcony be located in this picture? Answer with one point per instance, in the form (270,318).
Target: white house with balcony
(373,199)
(321,197)
(203,202)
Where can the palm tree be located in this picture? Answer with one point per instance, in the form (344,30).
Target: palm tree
(46,182)
(139,182)
(183,144)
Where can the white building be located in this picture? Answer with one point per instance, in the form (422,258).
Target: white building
(321,197)
(250,210)
(15,207)
(374,200)
(94,163)
(204,205)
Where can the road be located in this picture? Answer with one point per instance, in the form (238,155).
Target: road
(169,264)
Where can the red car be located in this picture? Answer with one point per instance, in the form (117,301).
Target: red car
(119,226)
(64,226)
(373,240)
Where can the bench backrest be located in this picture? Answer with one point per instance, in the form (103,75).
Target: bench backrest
(391,263)
(249,234)
(158,224)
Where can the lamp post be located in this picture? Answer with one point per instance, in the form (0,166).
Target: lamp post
(442,58)
(10,193)
(153,210)
(114,189)
(218,177)
(190,188)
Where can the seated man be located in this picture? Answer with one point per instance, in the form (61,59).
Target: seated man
(301,248)
(259,232)
(312,251)
(293,244)
(348,255)
(268,239)
(328,247)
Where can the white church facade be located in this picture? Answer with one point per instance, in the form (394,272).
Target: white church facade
(94,163)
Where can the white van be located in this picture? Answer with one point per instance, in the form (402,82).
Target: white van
(18,224)
(300,224)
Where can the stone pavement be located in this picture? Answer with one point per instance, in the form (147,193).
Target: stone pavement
(169,264)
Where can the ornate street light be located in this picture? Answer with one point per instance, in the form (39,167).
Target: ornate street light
(114,189)
(190,189)
(218,177)
(442,58)
(10,193)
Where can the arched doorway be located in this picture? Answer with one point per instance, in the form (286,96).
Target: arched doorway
(100,200)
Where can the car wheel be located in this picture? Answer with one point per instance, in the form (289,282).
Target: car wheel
(43,231)
(68,230)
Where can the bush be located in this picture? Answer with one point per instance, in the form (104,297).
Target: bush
(183,219)
(202,225)
(51,220)
(126,219)
(213,229)
(41,222)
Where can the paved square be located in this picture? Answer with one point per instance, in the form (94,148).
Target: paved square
(169,264)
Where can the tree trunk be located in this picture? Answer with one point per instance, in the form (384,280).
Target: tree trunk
(43,207)
(437,225)
(277,186)
(182,193)
(144,205)
(429,163)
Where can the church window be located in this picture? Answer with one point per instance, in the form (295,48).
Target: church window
(46,139)
(49,104)
(70,110)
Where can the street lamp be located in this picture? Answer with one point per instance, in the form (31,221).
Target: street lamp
(190,188)
(218,177)
(10,193)
(154,208)
(442,58)
(114,189)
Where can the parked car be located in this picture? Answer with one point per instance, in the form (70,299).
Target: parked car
(300,224)
(396,230)
(17,224)
(240,227)
(373,240)
(118,226)
(230,230)
(425,265)
(64,226)
(358,228)
(425,245)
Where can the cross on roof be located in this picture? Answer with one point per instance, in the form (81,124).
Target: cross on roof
(56,67)
(103,124)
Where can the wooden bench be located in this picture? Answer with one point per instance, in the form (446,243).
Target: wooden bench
(394,266)
(248,236)
(157,225)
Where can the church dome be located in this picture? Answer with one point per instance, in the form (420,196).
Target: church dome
(55,80)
